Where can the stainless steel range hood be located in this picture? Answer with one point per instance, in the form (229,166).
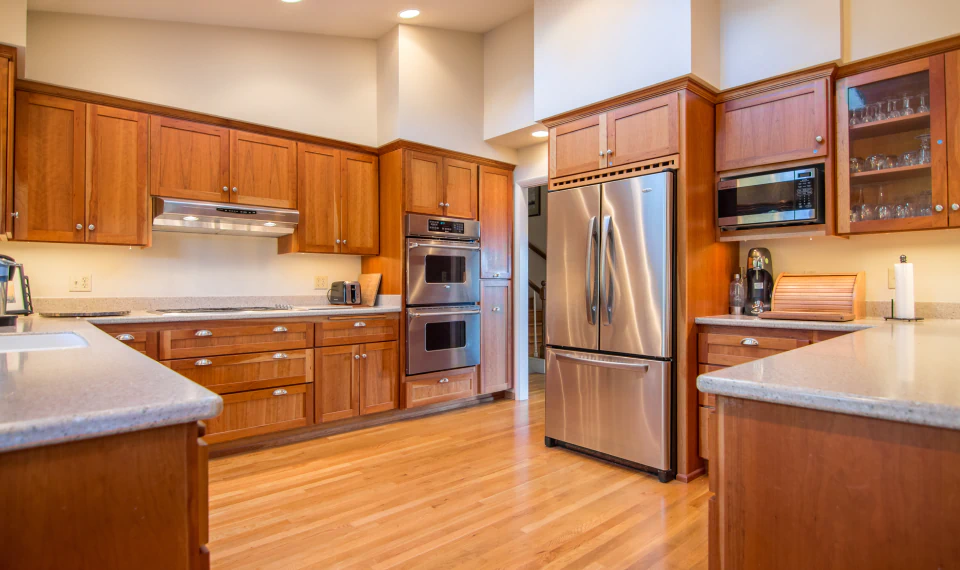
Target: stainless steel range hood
(175,215)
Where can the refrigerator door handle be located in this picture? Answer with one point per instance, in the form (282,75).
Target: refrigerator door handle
(604,363)
(590,285)
(606,261)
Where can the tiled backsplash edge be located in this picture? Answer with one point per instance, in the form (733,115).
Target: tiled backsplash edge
(100,304)
(925,310)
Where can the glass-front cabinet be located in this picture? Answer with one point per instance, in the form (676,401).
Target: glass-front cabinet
(892,142)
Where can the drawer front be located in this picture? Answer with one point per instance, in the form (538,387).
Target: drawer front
(730,350)
(143,342)
(236,373)
(257,412)
(440,387)
(357,330)
(213,340)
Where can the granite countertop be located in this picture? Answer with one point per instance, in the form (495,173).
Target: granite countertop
(148,317)
(105,388)
(897,371)
(749,321)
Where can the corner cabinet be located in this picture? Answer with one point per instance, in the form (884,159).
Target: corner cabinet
(893,126)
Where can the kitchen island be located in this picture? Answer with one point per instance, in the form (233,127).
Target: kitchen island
(841,454)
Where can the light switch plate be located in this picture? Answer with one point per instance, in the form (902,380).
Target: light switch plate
(81,284)
(891,278)
(321,282)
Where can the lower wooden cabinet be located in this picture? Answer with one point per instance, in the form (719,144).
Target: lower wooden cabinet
(257,412)
(356,379)
(496,342)
(440,386)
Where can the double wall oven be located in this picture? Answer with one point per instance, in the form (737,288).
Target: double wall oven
(443,293)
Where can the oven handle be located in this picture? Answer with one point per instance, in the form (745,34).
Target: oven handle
(414,245)
(445,313)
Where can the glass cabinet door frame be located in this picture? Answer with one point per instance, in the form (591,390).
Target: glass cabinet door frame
(938,140)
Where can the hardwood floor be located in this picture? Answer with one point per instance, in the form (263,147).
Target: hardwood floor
(474,488)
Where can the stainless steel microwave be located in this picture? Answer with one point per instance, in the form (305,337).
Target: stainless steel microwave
(781,198)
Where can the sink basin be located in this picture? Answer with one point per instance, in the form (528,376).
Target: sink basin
(32,342)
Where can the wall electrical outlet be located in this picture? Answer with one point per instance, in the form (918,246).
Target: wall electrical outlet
(321,282)
(81,284)
(891,278)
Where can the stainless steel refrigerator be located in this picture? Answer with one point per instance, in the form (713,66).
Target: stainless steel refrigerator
(609,319)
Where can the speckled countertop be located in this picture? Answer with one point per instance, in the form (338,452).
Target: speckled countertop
(903,372)
(148,317)
(105,388)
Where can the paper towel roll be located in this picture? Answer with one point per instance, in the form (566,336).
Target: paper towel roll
(903,297)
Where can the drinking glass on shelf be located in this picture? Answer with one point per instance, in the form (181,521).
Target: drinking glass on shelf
(906,109)
(885,210)
(909,158)
(868,210)
(922,108)
(923,155)
(892,111)
(856,165)
(879,114)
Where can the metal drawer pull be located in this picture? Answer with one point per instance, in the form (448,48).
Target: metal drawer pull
(750,342)
(280,355)
(359,324)
(124,337)
(279,329)
(203,362)
(203,333)
(363,355)
(279,392)
(444,380)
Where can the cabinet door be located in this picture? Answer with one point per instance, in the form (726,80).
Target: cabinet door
(337,389)
(953,135)
(772,127)
(577,146)
(49,169)
(318,190)
(118,208)
(8,75)
(496,340)
(496,222)
(460,188)
(189,160)
(263,170)
(423,183)
(360,196)
(644,130)
(379,377)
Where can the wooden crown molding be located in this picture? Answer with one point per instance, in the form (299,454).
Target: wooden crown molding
(828,70)
(176,113)
(689,82)
(420,147)
(892,58)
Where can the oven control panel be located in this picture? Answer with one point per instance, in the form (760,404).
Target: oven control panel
(445,226)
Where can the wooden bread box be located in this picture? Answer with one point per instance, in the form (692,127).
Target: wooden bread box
(818,297)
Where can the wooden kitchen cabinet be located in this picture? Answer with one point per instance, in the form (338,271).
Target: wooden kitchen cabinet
(117,200)
(263,170)
(356,379)
(8,76)
(496,223)
(496,342)
(644,130)
(360,204)
(49,180)
(785,124)
(460,186)
(578,146)
(423,183)
(189,160)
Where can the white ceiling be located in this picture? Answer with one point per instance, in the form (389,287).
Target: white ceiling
(353,18)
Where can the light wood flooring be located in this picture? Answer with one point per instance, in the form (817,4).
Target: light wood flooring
(474,488)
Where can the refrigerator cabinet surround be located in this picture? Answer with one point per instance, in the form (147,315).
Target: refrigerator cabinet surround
(615,405)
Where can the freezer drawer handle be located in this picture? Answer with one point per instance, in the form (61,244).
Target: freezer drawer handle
(590,274)
(605,363)
(750,342)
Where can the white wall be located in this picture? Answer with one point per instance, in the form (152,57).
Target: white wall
(586,51)
(178,265)
(872,27)
(308,83)
(508,77)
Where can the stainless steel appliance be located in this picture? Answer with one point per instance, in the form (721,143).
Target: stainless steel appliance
(442,338)
(191,216)
(443,260)
(759,280)
(609,320)
(782,198)
(344,293)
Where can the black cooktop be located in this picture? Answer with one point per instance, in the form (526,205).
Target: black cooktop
(215,310)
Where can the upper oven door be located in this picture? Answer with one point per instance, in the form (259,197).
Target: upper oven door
(442,272)
(764,199)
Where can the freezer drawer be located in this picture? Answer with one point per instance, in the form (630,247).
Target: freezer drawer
(615,405)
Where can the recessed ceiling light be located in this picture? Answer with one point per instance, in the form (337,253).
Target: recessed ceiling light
(540,134)
(269,224)
(190,218)
(407,14)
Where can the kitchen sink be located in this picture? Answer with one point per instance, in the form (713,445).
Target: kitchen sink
(32,342)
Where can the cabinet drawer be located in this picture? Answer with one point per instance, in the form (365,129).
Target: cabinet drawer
(236,373)
(440,387)
(262,411)
(337,331)
(730,350)
(215,339)
(143,342)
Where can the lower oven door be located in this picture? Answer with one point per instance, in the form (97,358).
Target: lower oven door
(442,272)
(441,338)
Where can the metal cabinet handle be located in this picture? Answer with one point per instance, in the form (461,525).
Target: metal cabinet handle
(91,227)
(235,189)
(226,189)
(279,392)
(819,139)
(124,337)
(356,357)
(203,333)
(279,329)
(955,207)
(938,208)
(280,355)
(79,226)
(750,342)
(363,355)
(359,324)
(203,362)
(444,380)
(496,309)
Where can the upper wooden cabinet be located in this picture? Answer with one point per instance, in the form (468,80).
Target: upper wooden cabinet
(189,160)
(785,124)
(8,75)
(496,222)
(117,206)
(49,185)
(263,170)
(496,340)
(644,130)
(578,146)
(440,186)
(360,199)
(460,188)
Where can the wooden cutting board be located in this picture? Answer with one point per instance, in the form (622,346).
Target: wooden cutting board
(369,287)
